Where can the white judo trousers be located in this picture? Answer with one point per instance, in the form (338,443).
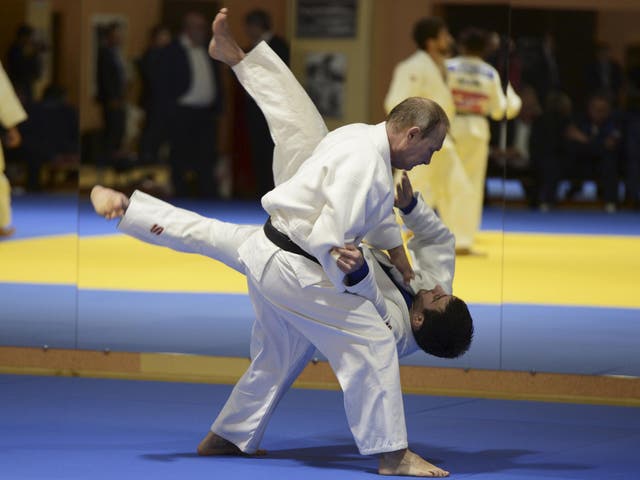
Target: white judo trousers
(297,307)
(11,113)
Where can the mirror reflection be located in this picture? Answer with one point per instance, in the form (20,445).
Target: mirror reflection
(543,202)
(571,163)
(39,103)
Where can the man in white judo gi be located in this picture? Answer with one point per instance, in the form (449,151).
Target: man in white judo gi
(477,94)
(297,288)
(11,114)
(445,184)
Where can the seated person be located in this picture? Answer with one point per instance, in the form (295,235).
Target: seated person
(593,142)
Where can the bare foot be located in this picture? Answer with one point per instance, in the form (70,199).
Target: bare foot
(213,445)
(108,202)
(405,462)
(223,46)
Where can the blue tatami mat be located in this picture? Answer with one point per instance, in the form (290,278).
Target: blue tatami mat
(41,215)
(77,428)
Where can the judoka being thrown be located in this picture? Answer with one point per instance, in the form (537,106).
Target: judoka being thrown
(310,284)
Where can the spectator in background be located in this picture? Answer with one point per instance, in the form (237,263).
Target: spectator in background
(195,92)
(501,50)
(632,146)
(50,134)
(516,156)
(112,89)
(24,61)
(593,144)
(258,28)
(540,65)
(604,75)
(547,147)
(153,98)
(11,114)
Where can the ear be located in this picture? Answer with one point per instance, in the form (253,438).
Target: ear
(413,134)
(417,319)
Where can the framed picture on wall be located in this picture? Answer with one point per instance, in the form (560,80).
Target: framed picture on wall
(327,18)
(325,74)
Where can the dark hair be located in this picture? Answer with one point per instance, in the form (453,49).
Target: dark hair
(157,30)
(110,28)
(259,18)
(473,40)
(417,112)
(446,334)
(427,29)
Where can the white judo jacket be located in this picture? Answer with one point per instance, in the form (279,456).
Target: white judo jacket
(432,250)
(477,92)
(478,95)
(298,307)
(11,114)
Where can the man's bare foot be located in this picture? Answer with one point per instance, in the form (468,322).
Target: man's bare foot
(405,462)
(108,203)
(223,46)
(7,231)
(213,445)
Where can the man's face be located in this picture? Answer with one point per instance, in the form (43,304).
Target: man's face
(414,150)
(443,42)
(195,27)
(435,299)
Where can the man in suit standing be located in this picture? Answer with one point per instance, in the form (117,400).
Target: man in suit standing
(111,80)
(194,88)
(258,28)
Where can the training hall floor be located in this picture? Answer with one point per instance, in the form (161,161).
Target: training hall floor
(555,292)
(81,428)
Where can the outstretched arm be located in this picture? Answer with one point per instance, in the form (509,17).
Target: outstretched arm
(108,203)
(159,223)
(432,247)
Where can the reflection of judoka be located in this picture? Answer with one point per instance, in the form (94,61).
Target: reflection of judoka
(296,302)
(445,184)
(11,113)
(477,93)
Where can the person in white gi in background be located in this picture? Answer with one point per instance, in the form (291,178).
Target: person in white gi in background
(11,114)
(445,184)
(477,93)
(295,301)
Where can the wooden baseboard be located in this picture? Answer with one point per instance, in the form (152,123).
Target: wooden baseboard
(609,390)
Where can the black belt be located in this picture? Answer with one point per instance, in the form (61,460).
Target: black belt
(284,242)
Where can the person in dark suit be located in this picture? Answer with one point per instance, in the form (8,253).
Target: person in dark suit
(24,61)
(153,97)
(258,28)
(540,65)
(594,141)
(193,91)
(604,75)
(112,86)
(50,133)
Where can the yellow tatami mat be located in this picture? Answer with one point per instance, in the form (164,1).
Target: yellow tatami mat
(536,268)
